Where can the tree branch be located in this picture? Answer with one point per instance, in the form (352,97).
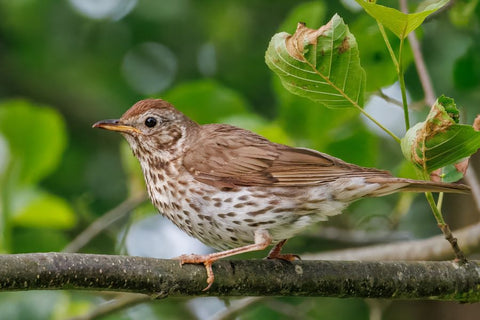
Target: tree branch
(104,221)
(434,248)
(394,280)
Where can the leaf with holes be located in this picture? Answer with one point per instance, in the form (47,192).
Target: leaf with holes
(396,21)
(440,141)
(322,65)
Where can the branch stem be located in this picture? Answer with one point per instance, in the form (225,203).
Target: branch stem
(354,103)
(403,88)
(459,255)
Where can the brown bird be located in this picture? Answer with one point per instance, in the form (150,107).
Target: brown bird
(237,191)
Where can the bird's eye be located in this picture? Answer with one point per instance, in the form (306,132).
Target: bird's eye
(150,122)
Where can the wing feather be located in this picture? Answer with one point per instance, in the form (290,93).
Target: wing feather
(230,156)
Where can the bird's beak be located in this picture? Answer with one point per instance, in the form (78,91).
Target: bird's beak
(115,125)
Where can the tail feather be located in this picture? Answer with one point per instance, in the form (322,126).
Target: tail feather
(400,184)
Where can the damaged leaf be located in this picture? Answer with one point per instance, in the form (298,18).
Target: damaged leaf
(440,142)
(401,24)
(322,65)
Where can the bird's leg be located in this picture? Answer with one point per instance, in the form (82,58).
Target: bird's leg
(262,240)
(275,253)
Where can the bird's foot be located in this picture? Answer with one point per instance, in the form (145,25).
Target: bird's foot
(206,260)
(275,253)
(285,257)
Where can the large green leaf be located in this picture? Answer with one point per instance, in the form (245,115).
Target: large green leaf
(322,65)
(36,137)
(401,24)
(439,141)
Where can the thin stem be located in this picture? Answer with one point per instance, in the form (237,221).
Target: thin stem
(366,114)
(388,99)
(425,79)
(459,255)
(401,79)
(440,201)
(436,212)
(354,103)
(122,302)
(387,43)
(399,68)
(103,222)
(472,180)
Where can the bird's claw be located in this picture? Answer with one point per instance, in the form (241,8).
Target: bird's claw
(285,256)
(197,259)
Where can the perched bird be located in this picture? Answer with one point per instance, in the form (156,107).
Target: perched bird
(237,191)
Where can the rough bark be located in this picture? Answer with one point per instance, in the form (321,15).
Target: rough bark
(393,280)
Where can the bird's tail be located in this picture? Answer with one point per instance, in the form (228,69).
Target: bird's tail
(391,185)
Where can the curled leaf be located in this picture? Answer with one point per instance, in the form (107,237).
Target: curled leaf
(440,142)
(320,64)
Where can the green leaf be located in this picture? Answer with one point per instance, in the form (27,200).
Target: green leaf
(450,173)
(206,101)
(401,24)
(439,141)
(36,137)
(39,209)
(322,65)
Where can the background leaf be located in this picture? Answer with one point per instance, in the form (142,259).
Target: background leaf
(41,210)
(36,137)
(322,65)
(311,13)
(401,24)
(206,101)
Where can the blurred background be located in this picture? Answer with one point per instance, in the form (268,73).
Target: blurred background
(67,64)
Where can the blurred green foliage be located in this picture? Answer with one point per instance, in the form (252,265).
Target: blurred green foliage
(66,64)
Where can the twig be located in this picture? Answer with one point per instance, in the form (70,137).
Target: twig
(459,255)
(124,301)
(434,248)
(357,237)
(444,280)
(235,308)
(423,74)
(388,99)
(472,180)
(103,222)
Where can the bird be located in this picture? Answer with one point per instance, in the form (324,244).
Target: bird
(235,190)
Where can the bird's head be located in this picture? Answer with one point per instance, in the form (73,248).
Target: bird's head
(152,126)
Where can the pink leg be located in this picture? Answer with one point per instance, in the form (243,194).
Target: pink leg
(262,240)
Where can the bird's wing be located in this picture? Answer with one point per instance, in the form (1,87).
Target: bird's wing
(227,156)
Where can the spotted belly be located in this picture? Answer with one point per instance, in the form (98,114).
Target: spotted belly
(229,218)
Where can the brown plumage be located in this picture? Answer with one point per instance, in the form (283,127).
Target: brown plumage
(232,188)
